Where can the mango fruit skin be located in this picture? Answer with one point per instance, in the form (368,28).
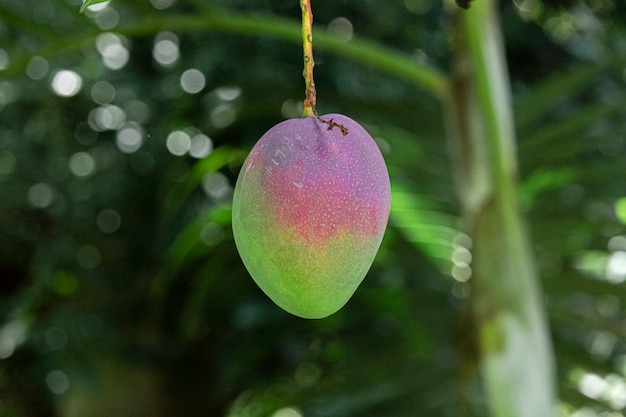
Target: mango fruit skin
(310,208)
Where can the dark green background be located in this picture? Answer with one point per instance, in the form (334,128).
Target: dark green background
(158,317)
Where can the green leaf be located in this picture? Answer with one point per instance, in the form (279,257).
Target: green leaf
(551,91)
(543,179)
(187,247)
(218,159)
(555,135)
(425,225)
(88,3)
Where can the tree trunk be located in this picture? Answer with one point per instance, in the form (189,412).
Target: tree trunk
(515,356)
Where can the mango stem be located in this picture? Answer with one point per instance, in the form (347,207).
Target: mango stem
(307,73)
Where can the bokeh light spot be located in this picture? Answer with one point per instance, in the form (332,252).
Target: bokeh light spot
(211,234)
(7,162)
(287,412)
(55,338)
(342,28)
(602,345)
(461,256)
(222,116)
(461,290)
(529,9)
(560,27)
(178,143)
(161,4)
(584,412)
(12,335)
(107,117)
(107,19)
(418,7)
(8,93)
(620,209)
(129,138)
(82,164)
(40,195)
(102,92)
(165,51)
(291,109)
(57,382)
(615,394)
(201,146)
(138,111)
(66,83)
(463,240)
(616,243)
(307,374)
(43,11)
(37,68)
(461,272)
(216,185)
(616,267)
(108,221)
(591,385)
(228,92)
(4,59)
(192,81)
(114,53)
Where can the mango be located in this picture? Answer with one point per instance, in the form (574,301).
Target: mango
(310,208)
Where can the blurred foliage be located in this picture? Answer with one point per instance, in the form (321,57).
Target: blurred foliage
(121,292)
